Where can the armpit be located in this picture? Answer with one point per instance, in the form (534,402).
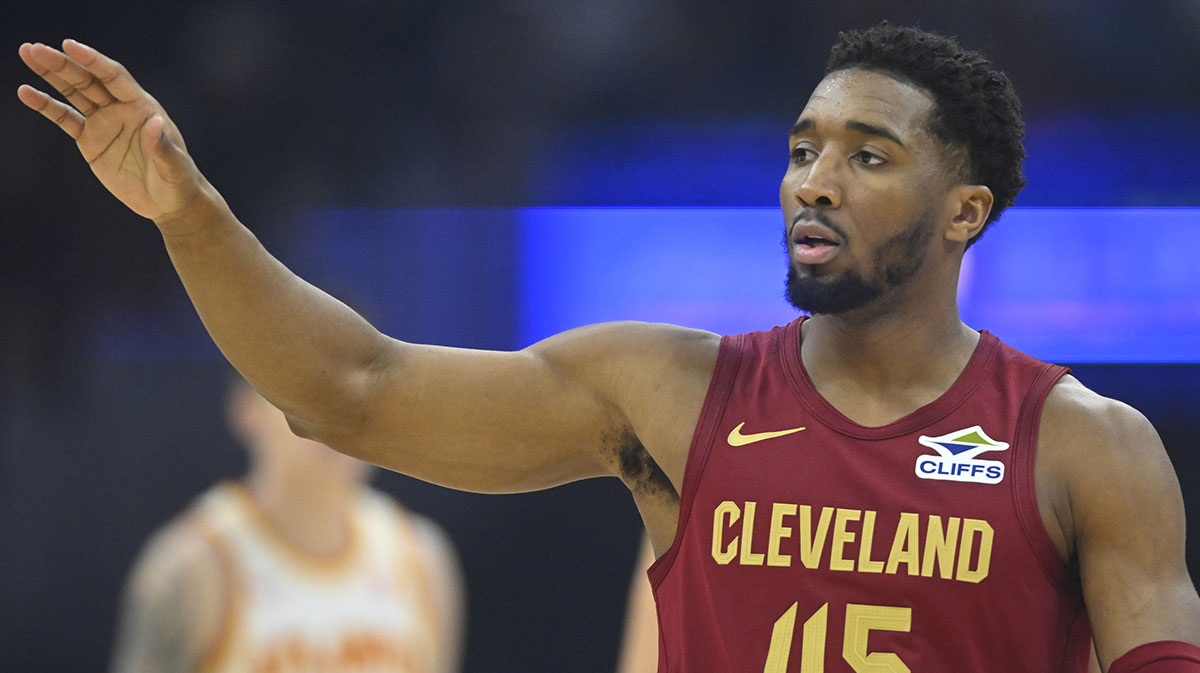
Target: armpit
(637,467)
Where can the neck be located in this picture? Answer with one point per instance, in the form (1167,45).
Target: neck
(882,362)
(311,511)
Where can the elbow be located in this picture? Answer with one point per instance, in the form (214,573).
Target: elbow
(340,413)
(331,435)
(301,429)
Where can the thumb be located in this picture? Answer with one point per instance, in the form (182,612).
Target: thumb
(169,160)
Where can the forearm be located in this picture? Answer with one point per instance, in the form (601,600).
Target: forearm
(305,351)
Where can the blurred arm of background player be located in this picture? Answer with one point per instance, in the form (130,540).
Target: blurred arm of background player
(639,645)
(188,596)
(171,608)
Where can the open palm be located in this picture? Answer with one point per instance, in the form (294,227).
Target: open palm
(121,131)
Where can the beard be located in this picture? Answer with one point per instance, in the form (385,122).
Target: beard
(896,260)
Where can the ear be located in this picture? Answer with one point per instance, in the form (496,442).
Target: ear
(970,206)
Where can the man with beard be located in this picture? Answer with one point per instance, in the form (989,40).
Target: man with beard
(878,487)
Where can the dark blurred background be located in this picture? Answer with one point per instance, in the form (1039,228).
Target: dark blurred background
(110,391)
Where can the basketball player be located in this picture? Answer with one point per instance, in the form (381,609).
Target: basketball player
(298,567)
(877,487)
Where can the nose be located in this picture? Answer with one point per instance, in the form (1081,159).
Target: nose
(818,183)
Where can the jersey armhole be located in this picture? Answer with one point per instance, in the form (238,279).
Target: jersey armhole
(729,358)
(1025,483)
(415,561)
(217,650)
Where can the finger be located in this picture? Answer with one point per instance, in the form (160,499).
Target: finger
(72,94)
(68,77)
(115,78)
(67,119)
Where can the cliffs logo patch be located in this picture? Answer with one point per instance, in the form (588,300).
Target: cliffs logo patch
(958,457)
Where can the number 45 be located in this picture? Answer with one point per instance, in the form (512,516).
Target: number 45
(860,621)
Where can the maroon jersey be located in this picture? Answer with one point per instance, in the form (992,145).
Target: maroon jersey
(808,543)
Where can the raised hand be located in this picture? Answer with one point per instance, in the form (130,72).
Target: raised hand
(122,132)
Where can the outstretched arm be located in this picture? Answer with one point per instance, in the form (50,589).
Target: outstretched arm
(564,409)
(1124,515)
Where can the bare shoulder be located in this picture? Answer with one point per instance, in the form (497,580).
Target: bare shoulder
(1115,495)
(1082,428)
(180,549)
(171,605)
(637,345)
(444,581)
(1104,470)
(1071,401)
(656,374)
(435,544)
(652,372)
(1093,451)
(440,558)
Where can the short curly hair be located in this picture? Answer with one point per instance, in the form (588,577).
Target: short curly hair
(976,114)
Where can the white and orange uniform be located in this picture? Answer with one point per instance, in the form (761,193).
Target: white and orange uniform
(366,609)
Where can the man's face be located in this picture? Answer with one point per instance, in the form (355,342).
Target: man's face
(862,192)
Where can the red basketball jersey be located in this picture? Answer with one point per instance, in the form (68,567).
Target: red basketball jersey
(808,543)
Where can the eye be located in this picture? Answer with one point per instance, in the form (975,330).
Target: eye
(867,158)
(802,154)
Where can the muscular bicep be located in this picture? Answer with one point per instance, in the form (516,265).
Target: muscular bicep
(559,411)
(169,609)
(484,421)
(1128,524)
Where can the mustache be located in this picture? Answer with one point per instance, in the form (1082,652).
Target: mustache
(818,216)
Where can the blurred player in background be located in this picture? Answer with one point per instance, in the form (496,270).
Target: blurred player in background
(299,566)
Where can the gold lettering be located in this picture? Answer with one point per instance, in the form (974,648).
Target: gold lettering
(940,546)
(780,649)
(812,544)
(840,537)
(749,558)
(950,548)
(778,533)
(861,620)
(726,514)
(865,563)
(904,545)
(812,653)
(980,571)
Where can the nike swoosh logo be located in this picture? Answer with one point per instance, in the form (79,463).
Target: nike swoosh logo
(736,438)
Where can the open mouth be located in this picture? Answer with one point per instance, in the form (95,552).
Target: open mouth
(815,245)
(815,242)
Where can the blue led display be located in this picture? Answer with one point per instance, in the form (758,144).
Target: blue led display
(1063,284)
